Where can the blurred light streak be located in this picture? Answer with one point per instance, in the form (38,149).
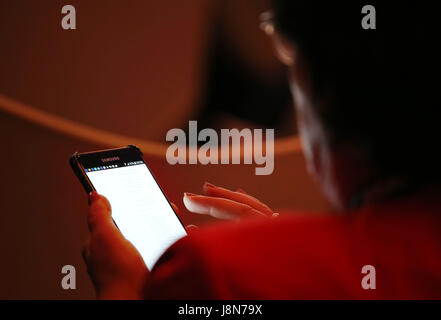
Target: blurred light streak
(105,138)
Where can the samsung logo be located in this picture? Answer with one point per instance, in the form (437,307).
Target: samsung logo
(110,159)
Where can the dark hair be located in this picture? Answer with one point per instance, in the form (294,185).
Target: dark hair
(380,87)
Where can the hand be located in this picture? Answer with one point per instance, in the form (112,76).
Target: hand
(222,203)
(115,266)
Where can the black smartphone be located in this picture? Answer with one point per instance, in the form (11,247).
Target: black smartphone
(139,207)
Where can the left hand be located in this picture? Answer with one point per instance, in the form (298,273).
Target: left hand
(115,266)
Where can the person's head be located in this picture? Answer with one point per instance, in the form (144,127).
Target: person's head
(365,99)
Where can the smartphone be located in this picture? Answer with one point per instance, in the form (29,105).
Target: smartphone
(139,207)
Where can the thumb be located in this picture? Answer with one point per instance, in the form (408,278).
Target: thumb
(100,212)
(175,207)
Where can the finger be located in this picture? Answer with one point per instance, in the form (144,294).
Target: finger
(220,208)
(86,257)
(214,191)
(191,228)
(175,207)
(240,190)
(86,251)
(100,213)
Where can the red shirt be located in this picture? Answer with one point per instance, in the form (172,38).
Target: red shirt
(306,257)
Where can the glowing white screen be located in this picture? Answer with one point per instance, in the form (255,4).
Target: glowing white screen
(139,209)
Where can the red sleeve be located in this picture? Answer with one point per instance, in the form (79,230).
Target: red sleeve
(307,257)
(180,274)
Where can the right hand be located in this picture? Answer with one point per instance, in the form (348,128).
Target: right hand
(225,204)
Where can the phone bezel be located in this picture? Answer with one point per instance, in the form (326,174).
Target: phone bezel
(79,171)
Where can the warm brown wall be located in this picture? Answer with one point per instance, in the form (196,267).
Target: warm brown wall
(136,61)
(119,71)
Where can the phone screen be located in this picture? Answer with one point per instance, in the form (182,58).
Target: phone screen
(139,208)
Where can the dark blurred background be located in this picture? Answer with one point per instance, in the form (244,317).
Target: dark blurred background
(136,68)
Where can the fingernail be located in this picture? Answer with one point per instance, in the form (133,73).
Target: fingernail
(188,194)
(207,184)
(93,196)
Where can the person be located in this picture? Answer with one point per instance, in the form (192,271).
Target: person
(365,103)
